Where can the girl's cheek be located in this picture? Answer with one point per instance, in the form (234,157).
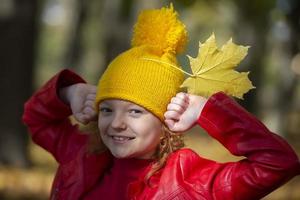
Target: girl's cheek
(103,123)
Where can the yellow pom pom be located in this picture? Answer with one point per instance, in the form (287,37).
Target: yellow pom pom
(160,29)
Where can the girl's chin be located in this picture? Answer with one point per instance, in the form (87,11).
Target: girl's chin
(121,155)
(136,156)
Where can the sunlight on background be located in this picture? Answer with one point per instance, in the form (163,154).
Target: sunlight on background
(277,70)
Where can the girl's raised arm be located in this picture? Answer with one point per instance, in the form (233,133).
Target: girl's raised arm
(47,117)
(269,162)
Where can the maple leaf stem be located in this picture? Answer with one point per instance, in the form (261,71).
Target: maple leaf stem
(162,62)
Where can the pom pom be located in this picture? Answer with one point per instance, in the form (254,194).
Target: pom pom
(160,29)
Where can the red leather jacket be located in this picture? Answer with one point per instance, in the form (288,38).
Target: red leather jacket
(269,162)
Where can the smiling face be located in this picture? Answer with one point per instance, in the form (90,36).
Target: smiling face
(128,130)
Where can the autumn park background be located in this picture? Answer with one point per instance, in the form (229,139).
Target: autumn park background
(40,37)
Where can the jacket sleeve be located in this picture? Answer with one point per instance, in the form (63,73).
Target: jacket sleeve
(47,119)
(269,163)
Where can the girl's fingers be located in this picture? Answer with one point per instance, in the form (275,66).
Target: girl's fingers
(176,107)
(86,115)
(93,88)
(88,111)
(169,123)
(180,101)
(84,118)
(91,97)
(89,103)
(172,115)
(183,96)
(174,126)
(81,117)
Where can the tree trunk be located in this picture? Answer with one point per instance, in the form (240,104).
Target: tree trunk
(289,87)
(17,39)
(74,46)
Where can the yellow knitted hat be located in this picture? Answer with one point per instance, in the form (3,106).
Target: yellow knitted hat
(133,76)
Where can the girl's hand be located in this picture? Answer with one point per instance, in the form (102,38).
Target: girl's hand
(81,98)
(183,111)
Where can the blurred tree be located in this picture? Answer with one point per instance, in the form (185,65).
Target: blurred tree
(252,28)
(116,27)
(115,31)
(17,38)
(288,88)
(74,46)
(255,27)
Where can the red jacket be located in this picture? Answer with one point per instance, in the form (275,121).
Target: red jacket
(269,162)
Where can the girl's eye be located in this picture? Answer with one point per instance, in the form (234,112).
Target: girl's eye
(135,111)
(105,110)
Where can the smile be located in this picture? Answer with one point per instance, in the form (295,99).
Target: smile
(121,138)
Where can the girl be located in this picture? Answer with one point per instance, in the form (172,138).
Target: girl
(140,115)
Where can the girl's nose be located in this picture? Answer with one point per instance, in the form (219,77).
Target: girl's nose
(118,122)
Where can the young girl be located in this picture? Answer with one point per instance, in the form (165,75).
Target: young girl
(141,114)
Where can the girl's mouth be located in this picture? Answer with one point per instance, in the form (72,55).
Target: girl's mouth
(121,138)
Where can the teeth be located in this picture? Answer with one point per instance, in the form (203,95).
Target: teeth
(121,138)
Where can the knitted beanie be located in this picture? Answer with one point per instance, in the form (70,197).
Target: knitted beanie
(146,74)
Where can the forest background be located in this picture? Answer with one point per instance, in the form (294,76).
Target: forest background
(38,38)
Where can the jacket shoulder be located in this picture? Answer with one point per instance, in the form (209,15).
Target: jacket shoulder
(188,164)
(187,156)
(187,175)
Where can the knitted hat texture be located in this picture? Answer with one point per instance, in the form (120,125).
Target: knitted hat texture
(145,74)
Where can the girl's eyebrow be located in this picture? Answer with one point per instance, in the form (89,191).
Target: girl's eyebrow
(138,107)
(104,103)
(135,106)
(125,104)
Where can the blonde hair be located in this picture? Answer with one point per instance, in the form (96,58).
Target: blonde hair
(169,142)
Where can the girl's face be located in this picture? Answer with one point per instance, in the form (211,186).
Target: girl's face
(128,130)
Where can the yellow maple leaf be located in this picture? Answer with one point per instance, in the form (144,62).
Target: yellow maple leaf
(213,70)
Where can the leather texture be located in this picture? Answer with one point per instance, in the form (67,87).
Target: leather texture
(269,161)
